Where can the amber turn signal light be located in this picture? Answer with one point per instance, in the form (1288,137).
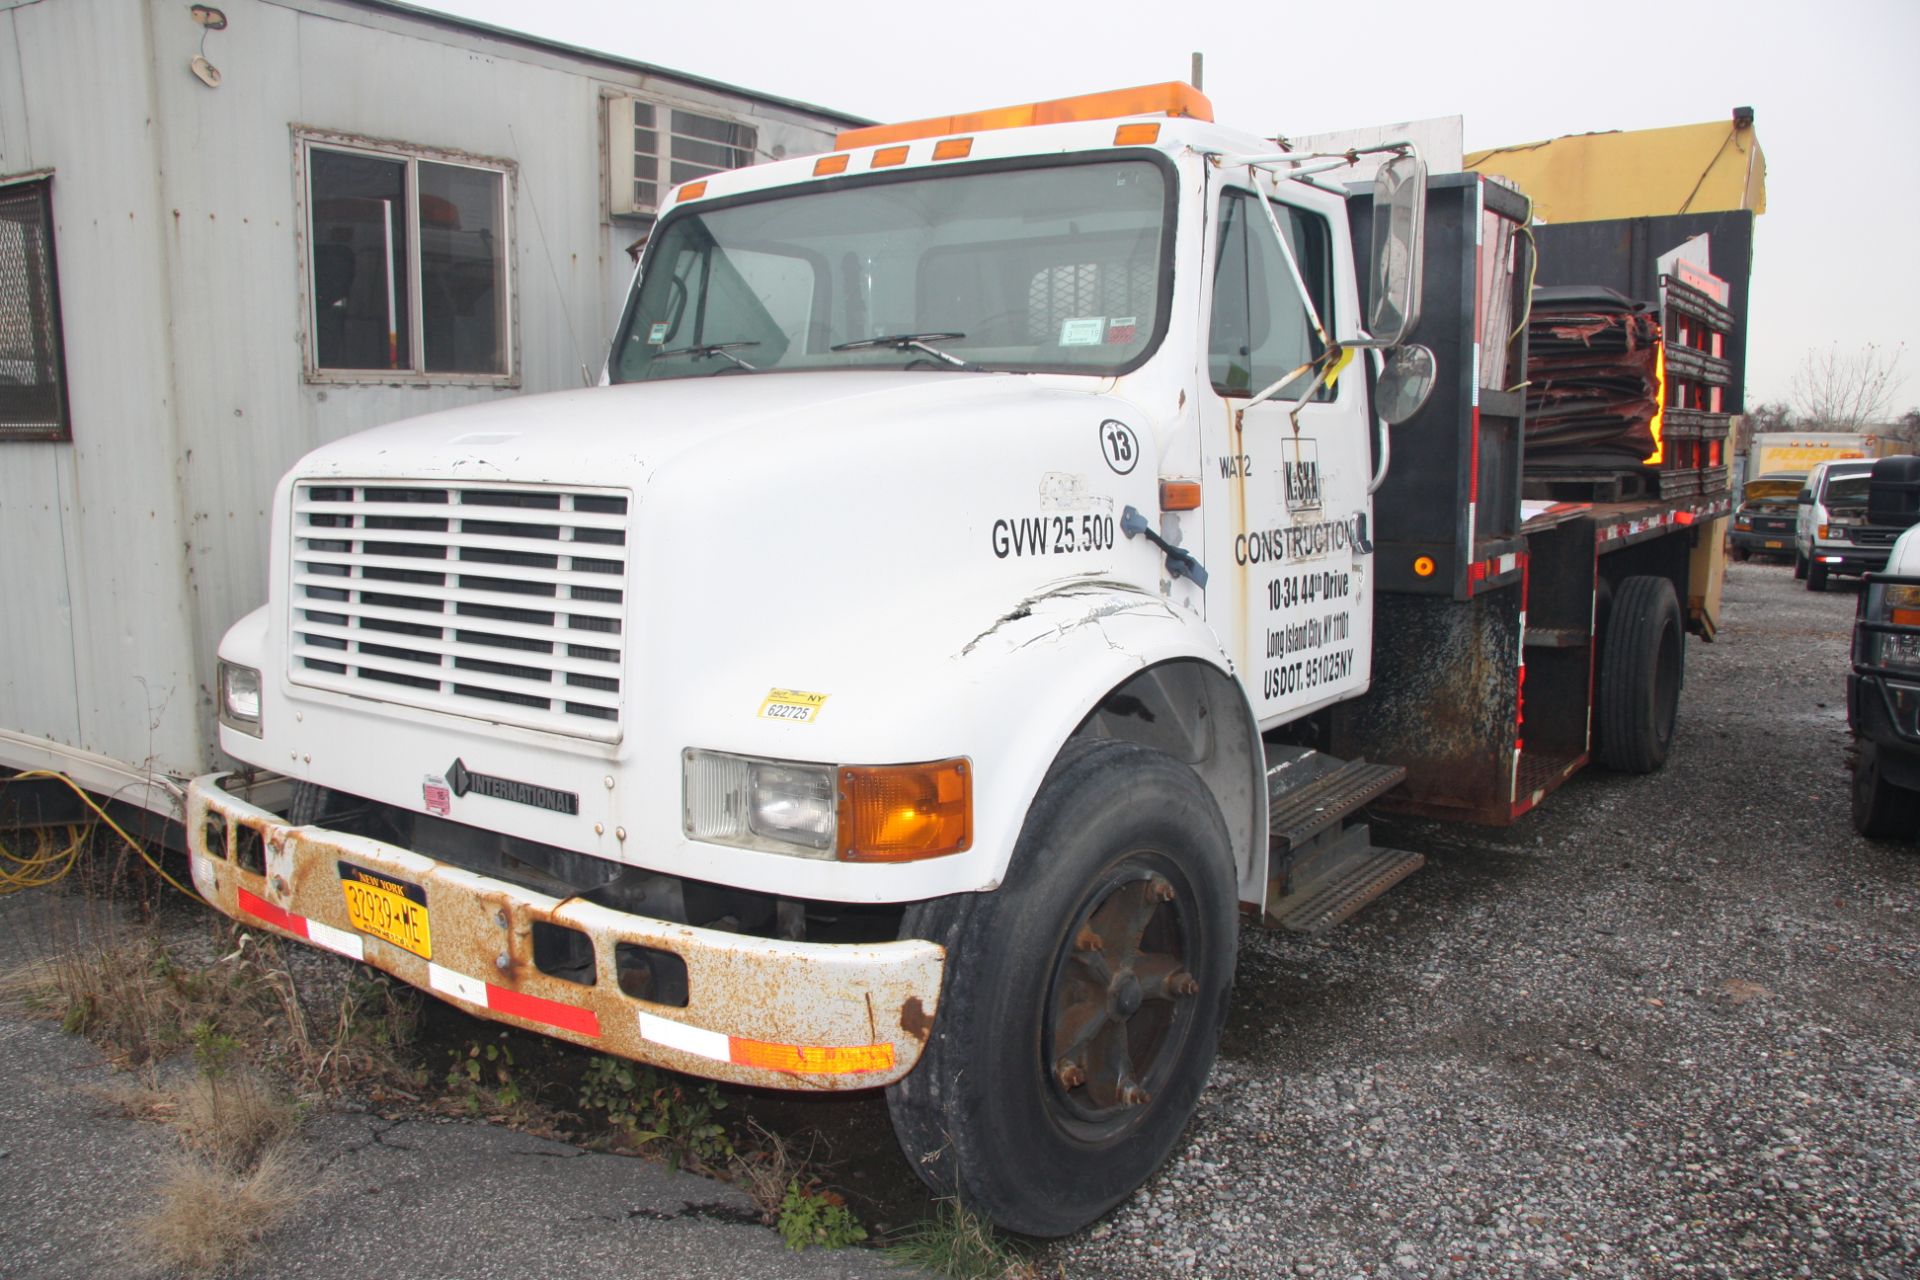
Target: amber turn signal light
(1179,495)
(897,813)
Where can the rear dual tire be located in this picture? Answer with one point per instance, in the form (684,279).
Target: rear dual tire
(1641,668)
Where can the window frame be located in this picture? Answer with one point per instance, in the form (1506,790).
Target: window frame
(306,140)
(1328,306)
(63,432)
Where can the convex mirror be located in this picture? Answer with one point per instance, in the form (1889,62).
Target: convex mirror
(1406,380)
(1399,214)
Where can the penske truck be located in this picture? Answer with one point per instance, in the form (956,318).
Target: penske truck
(1004,556)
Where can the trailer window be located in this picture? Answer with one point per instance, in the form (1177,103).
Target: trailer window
(33,375)
(408,265)
(1259,329)
(1056,267)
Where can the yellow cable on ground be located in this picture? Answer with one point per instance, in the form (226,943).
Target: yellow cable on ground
(19,871)
(74,851)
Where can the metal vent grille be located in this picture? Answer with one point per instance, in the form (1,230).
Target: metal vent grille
(502,603)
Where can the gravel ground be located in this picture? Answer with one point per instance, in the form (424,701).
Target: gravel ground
(1664,1026)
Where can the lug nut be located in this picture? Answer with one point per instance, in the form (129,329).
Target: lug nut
(1132,1095)
(1070,1075)
(1087,940)
(1183,984)
(1159,890)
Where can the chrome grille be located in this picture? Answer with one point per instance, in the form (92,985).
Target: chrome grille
(499,602)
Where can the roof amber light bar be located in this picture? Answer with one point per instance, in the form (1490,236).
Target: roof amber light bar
(830,164)
(1171,99)
(692,191)
(887,157)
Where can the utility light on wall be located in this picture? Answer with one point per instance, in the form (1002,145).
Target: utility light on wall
(210,19)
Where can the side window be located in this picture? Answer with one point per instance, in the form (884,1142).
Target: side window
(408,264)
(1259,330)
(33,376)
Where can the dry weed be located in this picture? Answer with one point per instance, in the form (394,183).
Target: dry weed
(233,1120)
(207,1217)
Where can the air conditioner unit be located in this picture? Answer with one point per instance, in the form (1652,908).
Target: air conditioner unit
(652,147)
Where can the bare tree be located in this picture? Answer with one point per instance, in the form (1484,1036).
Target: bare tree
(1836,392)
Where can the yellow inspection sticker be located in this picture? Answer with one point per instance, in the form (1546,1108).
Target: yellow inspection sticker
(792,704)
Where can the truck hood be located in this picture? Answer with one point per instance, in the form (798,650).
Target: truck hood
(621,435)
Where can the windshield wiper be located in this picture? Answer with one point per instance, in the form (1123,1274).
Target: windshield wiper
(721,349)
(912,342)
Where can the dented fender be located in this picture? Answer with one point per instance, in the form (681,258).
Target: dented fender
(1048,663)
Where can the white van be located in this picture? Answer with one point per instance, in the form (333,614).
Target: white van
(1832,518)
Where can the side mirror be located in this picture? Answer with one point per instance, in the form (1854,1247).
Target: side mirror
(1394,271)
(1805,498)
(1405,382)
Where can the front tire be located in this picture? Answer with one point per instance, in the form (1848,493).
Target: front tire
(1641,667)
(1816,576)
(1799,565)
(1083,999)
(1881,809)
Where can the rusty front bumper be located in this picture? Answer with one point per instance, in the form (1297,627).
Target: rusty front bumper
(759,1011)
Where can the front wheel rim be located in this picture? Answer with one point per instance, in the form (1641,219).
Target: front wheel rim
(1120,1006)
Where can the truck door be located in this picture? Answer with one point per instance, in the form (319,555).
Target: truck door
(1294,601)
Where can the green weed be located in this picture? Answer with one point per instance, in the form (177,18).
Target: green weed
(812,1217)
(645,1105)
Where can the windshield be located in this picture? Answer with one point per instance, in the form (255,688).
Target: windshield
(1847,491)
(1056,268)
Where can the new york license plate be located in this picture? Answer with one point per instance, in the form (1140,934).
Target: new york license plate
(1774,544)
(391,910)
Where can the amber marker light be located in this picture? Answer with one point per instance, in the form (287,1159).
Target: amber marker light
(1423,566)
(1179,495)
(953,149)
(1136,135)
(692,191)
(897,813)
(887,157)
(827,165)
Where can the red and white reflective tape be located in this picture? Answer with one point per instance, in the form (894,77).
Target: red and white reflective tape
(741,1051)
(516,1004)
(320,935)
(1496,567)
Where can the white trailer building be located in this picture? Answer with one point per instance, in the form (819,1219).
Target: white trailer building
(230,235)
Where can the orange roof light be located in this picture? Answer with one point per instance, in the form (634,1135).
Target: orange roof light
(887,157)
(692,191)
(830,164)
(1171,99)
(953,149)
(1136,135)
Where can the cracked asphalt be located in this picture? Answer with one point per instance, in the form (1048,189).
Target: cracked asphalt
(416,1197)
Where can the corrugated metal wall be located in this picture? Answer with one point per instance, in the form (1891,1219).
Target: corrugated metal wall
(130,550)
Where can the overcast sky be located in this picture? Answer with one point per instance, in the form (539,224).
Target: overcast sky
(1832,83)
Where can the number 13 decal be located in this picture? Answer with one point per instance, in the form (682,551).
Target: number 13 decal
(1118,444)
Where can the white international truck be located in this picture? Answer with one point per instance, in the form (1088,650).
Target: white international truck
(996,552)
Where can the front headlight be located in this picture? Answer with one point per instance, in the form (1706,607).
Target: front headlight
(761,804)
(1900,649)
(884,813)
(1742,522)
(240,698)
